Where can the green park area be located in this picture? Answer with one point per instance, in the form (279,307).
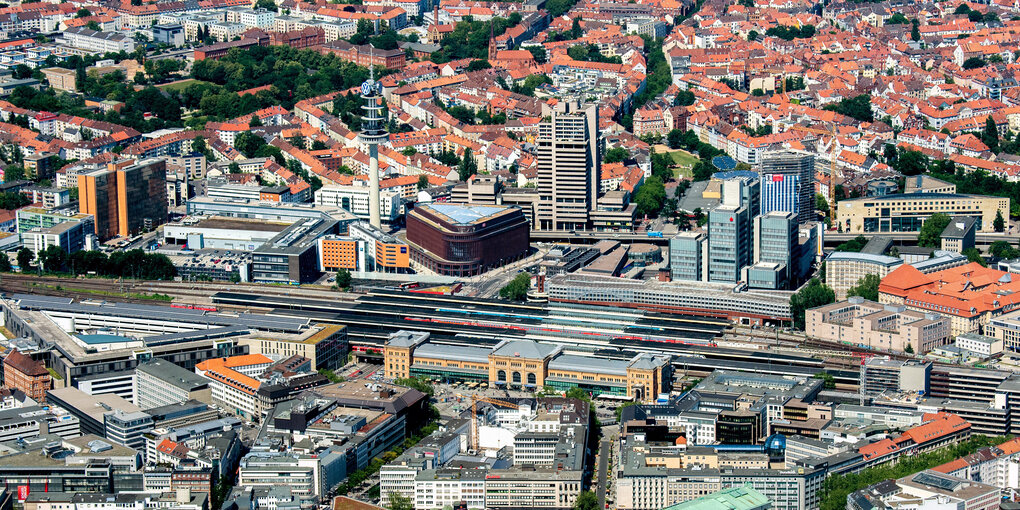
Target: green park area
(683,161)
(180,85)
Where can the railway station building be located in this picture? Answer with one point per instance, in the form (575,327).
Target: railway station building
(526,364)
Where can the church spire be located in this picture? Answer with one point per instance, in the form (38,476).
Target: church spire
(492,41)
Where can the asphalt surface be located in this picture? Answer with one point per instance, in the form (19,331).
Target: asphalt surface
(605,450)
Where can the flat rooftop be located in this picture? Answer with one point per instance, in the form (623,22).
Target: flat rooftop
(465,214)
(104,338)
(202,319)
(453,352)
(238,224)
(731,382)
(367,394)
(313,335)
(298,237)
(872,258)
(173,374)
(93,445)
(722,291)
(93,405)
(589,364)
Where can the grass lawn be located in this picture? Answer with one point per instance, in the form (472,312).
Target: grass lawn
(683,161)
(180,84)
(682,157)
(682,172)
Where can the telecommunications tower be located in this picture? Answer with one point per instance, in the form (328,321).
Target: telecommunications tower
(373,132)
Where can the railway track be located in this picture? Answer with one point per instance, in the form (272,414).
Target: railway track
(120,289)
(836,356)
(79,289)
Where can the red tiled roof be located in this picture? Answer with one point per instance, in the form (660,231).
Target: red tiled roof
(903,278)
(877,449)
(25,364)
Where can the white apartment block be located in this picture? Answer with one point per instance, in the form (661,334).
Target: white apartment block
(251,18)
(225,31)
(99,42)
(337,30)
(480,489)
(234,398)
(660,491)
(397,478)
(534,489)
(699,427)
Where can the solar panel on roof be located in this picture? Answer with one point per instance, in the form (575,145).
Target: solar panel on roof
(130,310)
(33,297)
(203,334)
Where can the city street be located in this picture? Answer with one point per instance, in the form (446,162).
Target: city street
(488,285)
(605,452)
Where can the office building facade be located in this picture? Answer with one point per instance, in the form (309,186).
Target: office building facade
(70,236)
(776,234)
(364,248)
(730,235)
(161,383)
(569,167)
(292,255)
(844,269)
(125,198)
(907,212)
(779,194)
(688,258)
(729,243)
(878,326)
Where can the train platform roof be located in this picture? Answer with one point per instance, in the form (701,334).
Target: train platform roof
(164,313)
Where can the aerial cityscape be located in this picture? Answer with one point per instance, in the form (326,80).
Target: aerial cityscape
(509,255)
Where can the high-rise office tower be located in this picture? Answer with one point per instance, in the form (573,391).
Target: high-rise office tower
(569,166)
(688,256)
(729,233)
(776,235)
(788,184)
(125,198)
(373,132)
(749,194)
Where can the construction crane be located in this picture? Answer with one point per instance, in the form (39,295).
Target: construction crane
(862,380)
(474,415)
(832,178)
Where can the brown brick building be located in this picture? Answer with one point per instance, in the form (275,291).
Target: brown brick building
(26,374)
(466,239)
(366,54)
(299,39)
(220,50)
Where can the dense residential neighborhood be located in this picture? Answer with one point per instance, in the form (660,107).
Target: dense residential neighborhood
(509,255)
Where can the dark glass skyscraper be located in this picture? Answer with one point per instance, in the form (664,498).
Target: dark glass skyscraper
(788,184)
